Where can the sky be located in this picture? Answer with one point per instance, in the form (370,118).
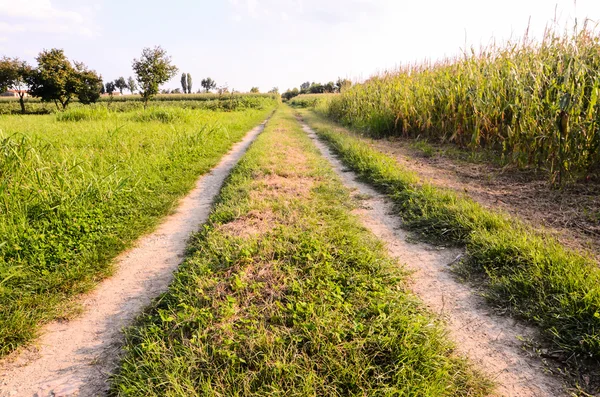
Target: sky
(273,43)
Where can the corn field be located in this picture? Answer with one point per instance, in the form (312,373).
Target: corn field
(536,103)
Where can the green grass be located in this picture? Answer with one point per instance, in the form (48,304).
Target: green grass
(127,103)
(84,113)
(158,98)
(79,187)
(536,104)
(162,114)
(528,272)
(283,293)
(312,100)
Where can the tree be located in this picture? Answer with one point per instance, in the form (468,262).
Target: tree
(102,89)
(274,90)
(208,84)
(131,86)
(56,80)
(316,88)
(304,87)
(329,87)
(289,94)
(121,84)
(184,82)
(153,69)
(254,90)
(176,91)
(15,75)
(110,88)
(189,83)
(89,84)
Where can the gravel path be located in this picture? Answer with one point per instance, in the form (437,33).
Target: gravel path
(75,358)
(489,341)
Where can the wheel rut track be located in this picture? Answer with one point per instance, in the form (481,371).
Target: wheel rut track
(489,341)
(76,358)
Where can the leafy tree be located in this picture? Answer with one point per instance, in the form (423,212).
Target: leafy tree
(274,90)
(304,87)
(153,69)
(208,84)
(110,88)
(89,84)
(289,94)
(254,90)
(56,80)
(184,82)
(131,85)
(15,75)
(189,83)
(121,84)
(176,91)
(316,88)
(102,89)
(329,87)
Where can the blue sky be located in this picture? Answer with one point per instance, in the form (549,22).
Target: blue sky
(267,43)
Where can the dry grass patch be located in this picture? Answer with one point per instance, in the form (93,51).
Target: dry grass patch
(255,223)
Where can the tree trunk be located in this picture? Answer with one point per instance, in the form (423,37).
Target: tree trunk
(22,103)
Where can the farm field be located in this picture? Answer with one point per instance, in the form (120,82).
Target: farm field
(209,101)
(198,221)
(534,104)
(285,293)
(79,186)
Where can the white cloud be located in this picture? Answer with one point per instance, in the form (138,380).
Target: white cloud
(329,12)
(37,9)
(41,16)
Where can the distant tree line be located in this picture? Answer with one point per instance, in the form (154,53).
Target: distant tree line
(317,88)
(57,79)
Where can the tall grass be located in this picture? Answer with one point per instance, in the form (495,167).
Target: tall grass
(87,113)
(536,103)
(73,194)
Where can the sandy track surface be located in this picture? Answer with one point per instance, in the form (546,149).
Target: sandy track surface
(75,358)
(489,341)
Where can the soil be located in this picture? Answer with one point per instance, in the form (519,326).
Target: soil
(571,214)
(76,358)
(492,343)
